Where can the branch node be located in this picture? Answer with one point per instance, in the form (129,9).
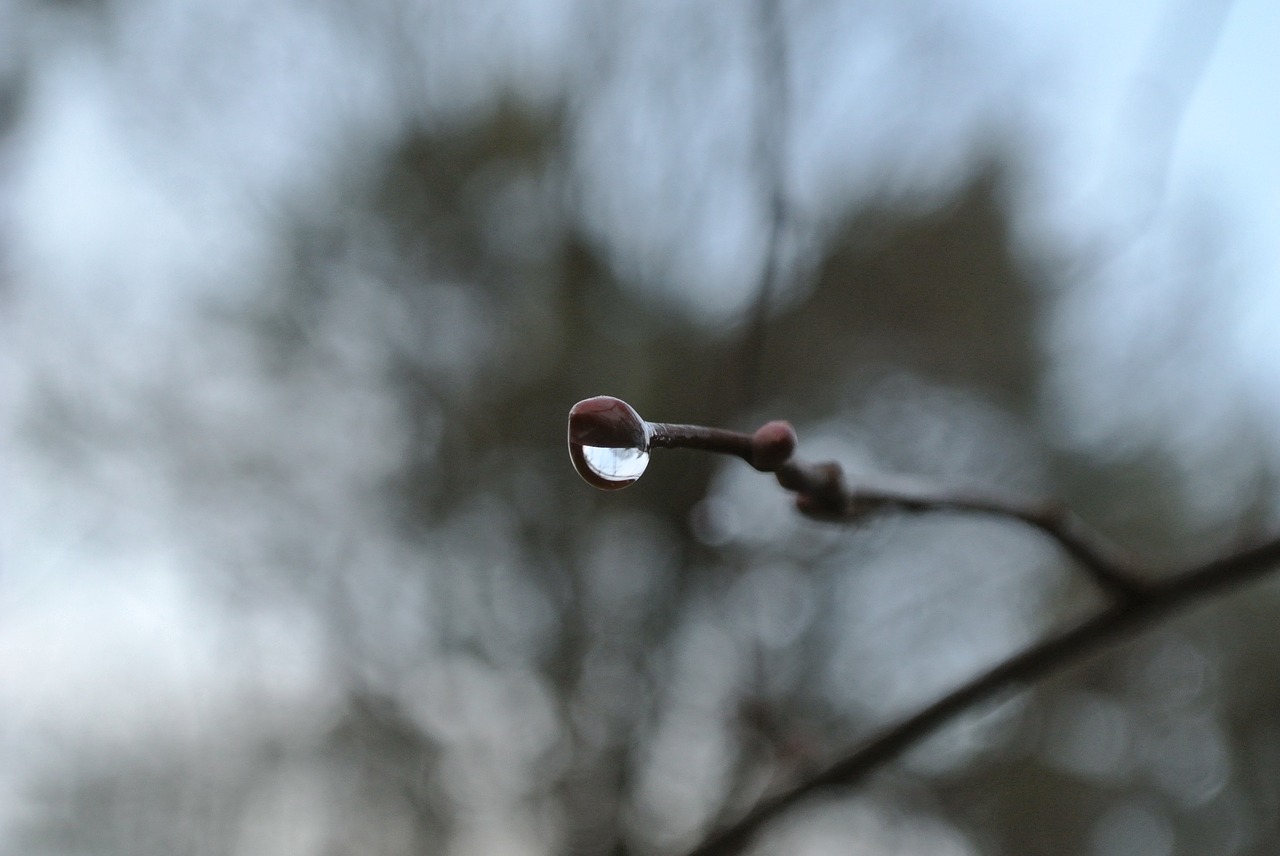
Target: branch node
(819,488)
(1114,575)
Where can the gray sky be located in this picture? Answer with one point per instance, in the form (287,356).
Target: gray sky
(120,225)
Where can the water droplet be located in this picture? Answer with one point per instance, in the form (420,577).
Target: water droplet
(616,467)
(608,442)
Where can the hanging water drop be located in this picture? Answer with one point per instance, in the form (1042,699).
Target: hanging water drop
(613,468)
(608,442)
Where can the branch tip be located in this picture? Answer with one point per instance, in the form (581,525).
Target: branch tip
(772,445)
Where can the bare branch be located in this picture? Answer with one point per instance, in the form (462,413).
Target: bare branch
(1138,599)
(820,489)
(821,493)
(1155,601)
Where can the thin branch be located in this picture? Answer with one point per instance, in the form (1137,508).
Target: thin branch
(1138,599)
(821,493)
(820,488)
(663,435)
(1156,600)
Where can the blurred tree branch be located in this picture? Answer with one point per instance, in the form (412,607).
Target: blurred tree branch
(821,493)
(1137,602)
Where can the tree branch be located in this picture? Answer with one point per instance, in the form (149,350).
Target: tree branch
(605,421)
(821,493)
(1137,599)
(1152,602)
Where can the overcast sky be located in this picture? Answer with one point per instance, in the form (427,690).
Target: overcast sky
(111,227)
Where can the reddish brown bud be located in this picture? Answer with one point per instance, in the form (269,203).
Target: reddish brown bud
(772,445)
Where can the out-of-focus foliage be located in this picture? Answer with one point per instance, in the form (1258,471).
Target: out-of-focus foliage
(367,607)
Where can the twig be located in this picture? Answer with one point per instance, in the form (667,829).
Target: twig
(1137,599)
(1155,601)
(605,421)
(821,493)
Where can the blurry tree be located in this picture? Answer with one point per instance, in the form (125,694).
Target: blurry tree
(371,444)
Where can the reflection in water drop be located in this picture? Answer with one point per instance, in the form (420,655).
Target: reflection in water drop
(611,468)
(608,442)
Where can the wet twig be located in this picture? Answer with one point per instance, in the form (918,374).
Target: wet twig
(1137,598)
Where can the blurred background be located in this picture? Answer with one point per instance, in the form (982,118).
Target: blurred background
(296,297)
